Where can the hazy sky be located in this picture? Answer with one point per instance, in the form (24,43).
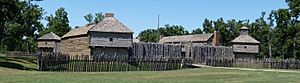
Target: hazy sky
(139,15)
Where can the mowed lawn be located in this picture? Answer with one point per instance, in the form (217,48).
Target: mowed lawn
(12,71)
(207,75)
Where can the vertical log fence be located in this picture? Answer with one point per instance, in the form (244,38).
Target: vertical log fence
(142,57)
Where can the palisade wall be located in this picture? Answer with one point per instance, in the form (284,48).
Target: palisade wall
(141,57)
(202,53)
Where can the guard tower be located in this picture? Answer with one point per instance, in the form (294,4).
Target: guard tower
(49,43)
(244,46)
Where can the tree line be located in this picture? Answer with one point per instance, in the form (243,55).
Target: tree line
(278,31)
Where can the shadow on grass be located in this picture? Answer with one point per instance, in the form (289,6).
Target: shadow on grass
(9,62)
(191,66)
(14,66)
(22,60)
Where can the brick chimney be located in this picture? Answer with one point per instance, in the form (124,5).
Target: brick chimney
(216,38)
(109,14)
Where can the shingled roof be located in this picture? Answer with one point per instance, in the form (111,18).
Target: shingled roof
(79,31)
(186,38)
(111,24)
(245,39)
(49,36)
(244,28)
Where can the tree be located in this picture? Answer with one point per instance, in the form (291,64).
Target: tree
(220,25)
(77,27)
(282,36)
(197,31)
(228,30)
(173,30)
(149,35)
(294,8)
(208,26)
(58,24)
(153,35)
(98,17)
(94,19)
(89,17)
(261,31)
(18,19)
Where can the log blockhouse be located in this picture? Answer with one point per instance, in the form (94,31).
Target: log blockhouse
(110,37)
(49,43)
(244,46)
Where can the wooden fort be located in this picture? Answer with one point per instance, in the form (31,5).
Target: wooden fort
(110,37)
(244,46)
(49,43)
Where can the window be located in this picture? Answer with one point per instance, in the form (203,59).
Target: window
(111,39)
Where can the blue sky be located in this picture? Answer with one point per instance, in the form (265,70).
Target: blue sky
(139,15)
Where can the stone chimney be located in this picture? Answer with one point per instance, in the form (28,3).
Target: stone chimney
(109,14)
(216,38)
(244,30)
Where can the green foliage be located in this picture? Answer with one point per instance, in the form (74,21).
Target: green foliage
(94,19)
(286,32)
(89,17)
(172,30)
(77,27)
(153,35)
(282,36)
(228,30)
(208,26)
(261,31)
(58,24)
(18,19)
(149,35)
(98,17)
(197,31)
(294,6)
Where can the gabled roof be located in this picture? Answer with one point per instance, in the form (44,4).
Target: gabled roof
(245,28)
(111,24)
(49,36)
(187,38)
(78,31)
(247,39)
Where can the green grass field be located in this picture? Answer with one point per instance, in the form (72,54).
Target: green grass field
(207,75)
(11,71)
